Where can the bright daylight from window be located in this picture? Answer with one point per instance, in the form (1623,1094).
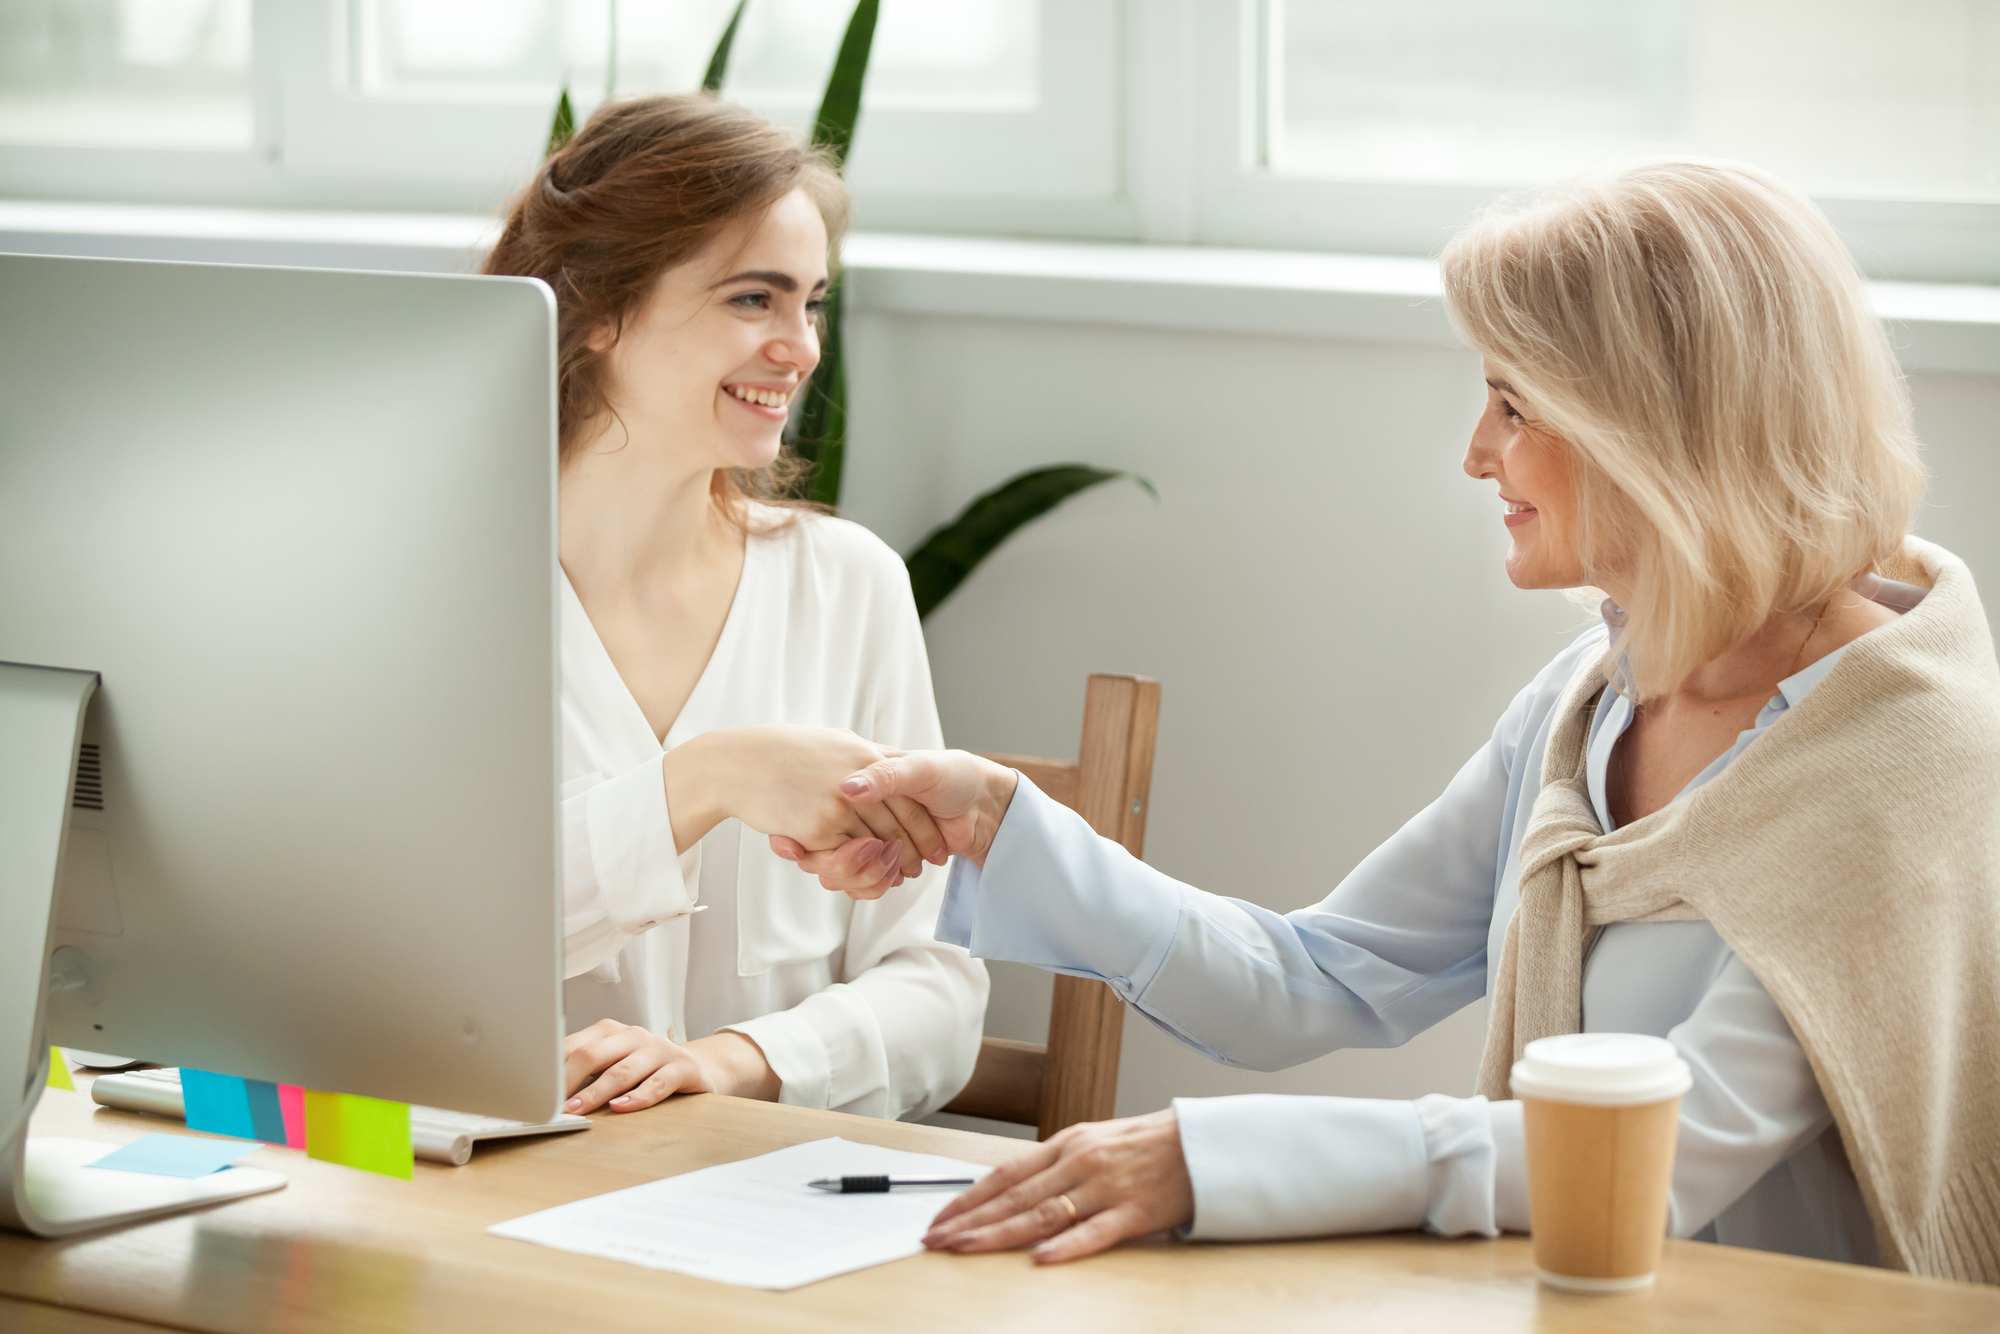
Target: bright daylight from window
(965,54)
(1853,98)
(134,73)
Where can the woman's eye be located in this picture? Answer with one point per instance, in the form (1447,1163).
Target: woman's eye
(816,307)
(1507,411)
(752,300)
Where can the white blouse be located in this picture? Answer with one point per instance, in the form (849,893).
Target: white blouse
(855,1005)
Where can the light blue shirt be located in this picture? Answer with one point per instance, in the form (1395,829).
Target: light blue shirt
(1410,936)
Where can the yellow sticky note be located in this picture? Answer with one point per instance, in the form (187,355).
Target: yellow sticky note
(59,1071)
(354,1131)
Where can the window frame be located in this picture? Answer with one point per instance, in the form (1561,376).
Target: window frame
(1149,128)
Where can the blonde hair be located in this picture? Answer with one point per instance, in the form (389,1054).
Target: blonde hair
(1697,334)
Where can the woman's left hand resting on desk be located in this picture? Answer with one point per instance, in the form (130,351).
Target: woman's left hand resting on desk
(1122,1179)
(626,1067)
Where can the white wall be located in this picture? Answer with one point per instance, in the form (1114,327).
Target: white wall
(1318,590)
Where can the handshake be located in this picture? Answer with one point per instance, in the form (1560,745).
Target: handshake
(859,816)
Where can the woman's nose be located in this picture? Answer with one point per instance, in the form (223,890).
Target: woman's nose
(798,347)
(1479,460)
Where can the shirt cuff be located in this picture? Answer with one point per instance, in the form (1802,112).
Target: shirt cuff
(795,1054)
(1267,1165)
(1458,1142)
(633,867)
(1510,1166)
(1055,895)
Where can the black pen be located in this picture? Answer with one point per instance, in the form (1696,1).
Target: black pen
(879,1185)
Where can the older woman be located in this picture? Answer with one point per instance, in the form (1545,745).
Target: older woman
(1754,812)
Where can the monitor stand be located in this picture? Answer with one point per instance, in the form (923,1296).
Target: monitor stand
(47,1187)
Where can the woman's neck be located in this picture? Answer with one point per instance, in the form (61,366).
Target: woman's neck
(1787,643)
(633,516)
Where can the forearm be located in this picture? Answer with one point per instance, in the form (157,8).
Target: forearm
(695,774)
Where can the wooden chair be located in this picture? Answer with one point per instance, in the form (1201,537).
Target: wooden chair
(1075,1077)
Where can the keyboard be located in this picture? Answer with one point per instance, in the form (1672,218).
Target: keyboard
(437,1135)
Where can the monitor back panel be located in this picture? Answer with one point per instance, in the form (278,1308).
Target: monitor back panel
(303,524)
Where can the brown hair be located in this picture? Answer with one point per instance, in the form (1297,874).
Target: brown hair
(642,187)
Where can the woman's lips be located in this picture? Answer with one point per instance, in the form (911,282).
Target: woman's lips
(1514,518)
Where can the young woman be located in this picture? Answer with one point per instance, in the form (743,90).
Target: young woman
(1754,813)
(710,636)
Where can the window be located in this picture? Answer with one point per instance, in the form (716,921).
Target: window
(994,110)
(1372,126)
(149,73)
(1850,98)
(1380,124)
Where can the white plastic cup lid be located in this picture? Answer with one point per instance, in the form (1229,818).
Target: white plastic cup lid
(1601,1069)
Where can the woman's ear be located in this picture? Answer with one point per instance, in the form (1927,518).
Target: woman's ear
(601,339)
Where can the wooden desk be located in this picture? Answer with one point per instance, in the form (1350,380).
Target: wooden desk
(339,1250)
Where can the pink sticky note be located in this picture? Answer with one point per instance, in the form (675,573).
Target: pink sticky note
(292,1104)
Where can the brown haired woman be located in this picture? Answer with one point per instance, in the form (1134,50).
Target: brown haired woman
(708,638)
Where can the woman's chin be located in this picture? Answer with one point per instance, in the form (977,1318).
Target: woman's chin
(753,454)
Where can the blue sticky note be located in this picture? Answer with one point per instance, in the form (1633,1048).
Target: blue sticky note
(226,1105)
(173,1156)
(217,1104)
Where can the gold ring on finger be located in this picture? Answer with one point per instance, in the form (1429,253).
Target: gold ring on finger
(1070,1205)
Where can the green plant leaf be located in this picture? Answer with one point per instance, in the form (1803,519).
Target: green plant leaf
(833,128)
(718,64)
(821,434)
(564,127)
(943,560)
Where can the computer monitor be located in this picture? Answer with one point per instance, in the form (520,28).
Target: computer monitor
(300,525)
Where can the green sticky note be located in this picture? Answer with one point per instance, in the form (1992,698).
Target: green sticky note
(354,1131)
(59,1071)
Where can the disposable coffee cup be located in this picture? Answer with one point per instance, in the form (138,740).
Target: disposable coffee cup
(1602,1112)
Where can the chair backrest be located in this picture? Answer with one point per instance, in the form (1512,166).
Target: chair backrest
(1074,1077)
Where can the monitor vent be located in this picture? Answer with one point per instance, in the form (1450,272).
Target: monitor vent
(89,794)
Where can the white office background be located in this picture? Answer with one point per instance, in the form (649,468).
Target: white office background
(1317,587)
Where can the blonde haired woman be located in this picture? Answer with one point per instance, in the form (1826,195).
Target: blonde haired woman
(1753,813)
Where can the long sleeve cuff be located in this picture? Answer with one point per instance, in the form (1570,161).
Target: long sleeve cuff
(1265,1165)
(1055,895)
(621,873)
(1510,1166)
(795,1054)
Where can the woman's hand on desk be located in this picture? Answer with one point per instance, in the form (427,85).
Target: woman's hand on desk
(625,1067)
(1123,1179)
(963,796)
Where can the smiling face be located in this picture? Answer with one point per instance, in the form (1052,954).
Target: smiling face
(1532,466)
(708,363)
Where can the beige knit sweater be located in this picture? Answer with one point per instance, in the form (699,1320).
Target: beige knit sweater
(1851,858)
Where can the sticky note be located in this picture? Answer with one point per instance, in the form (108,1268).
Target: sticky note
(172,1156)
(227,1105)
(292,1109)
(59,1071)
(367,1133)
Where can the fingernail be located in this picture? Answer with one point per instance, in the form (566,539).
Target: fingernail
(623,1097)
(573,1104)
(891,853)
(854,785)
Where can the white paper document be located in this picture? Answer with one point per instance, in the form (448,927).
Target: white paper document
(756,1223)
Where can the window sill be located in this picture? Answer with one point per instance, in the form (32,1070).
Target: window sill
(1289,294)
